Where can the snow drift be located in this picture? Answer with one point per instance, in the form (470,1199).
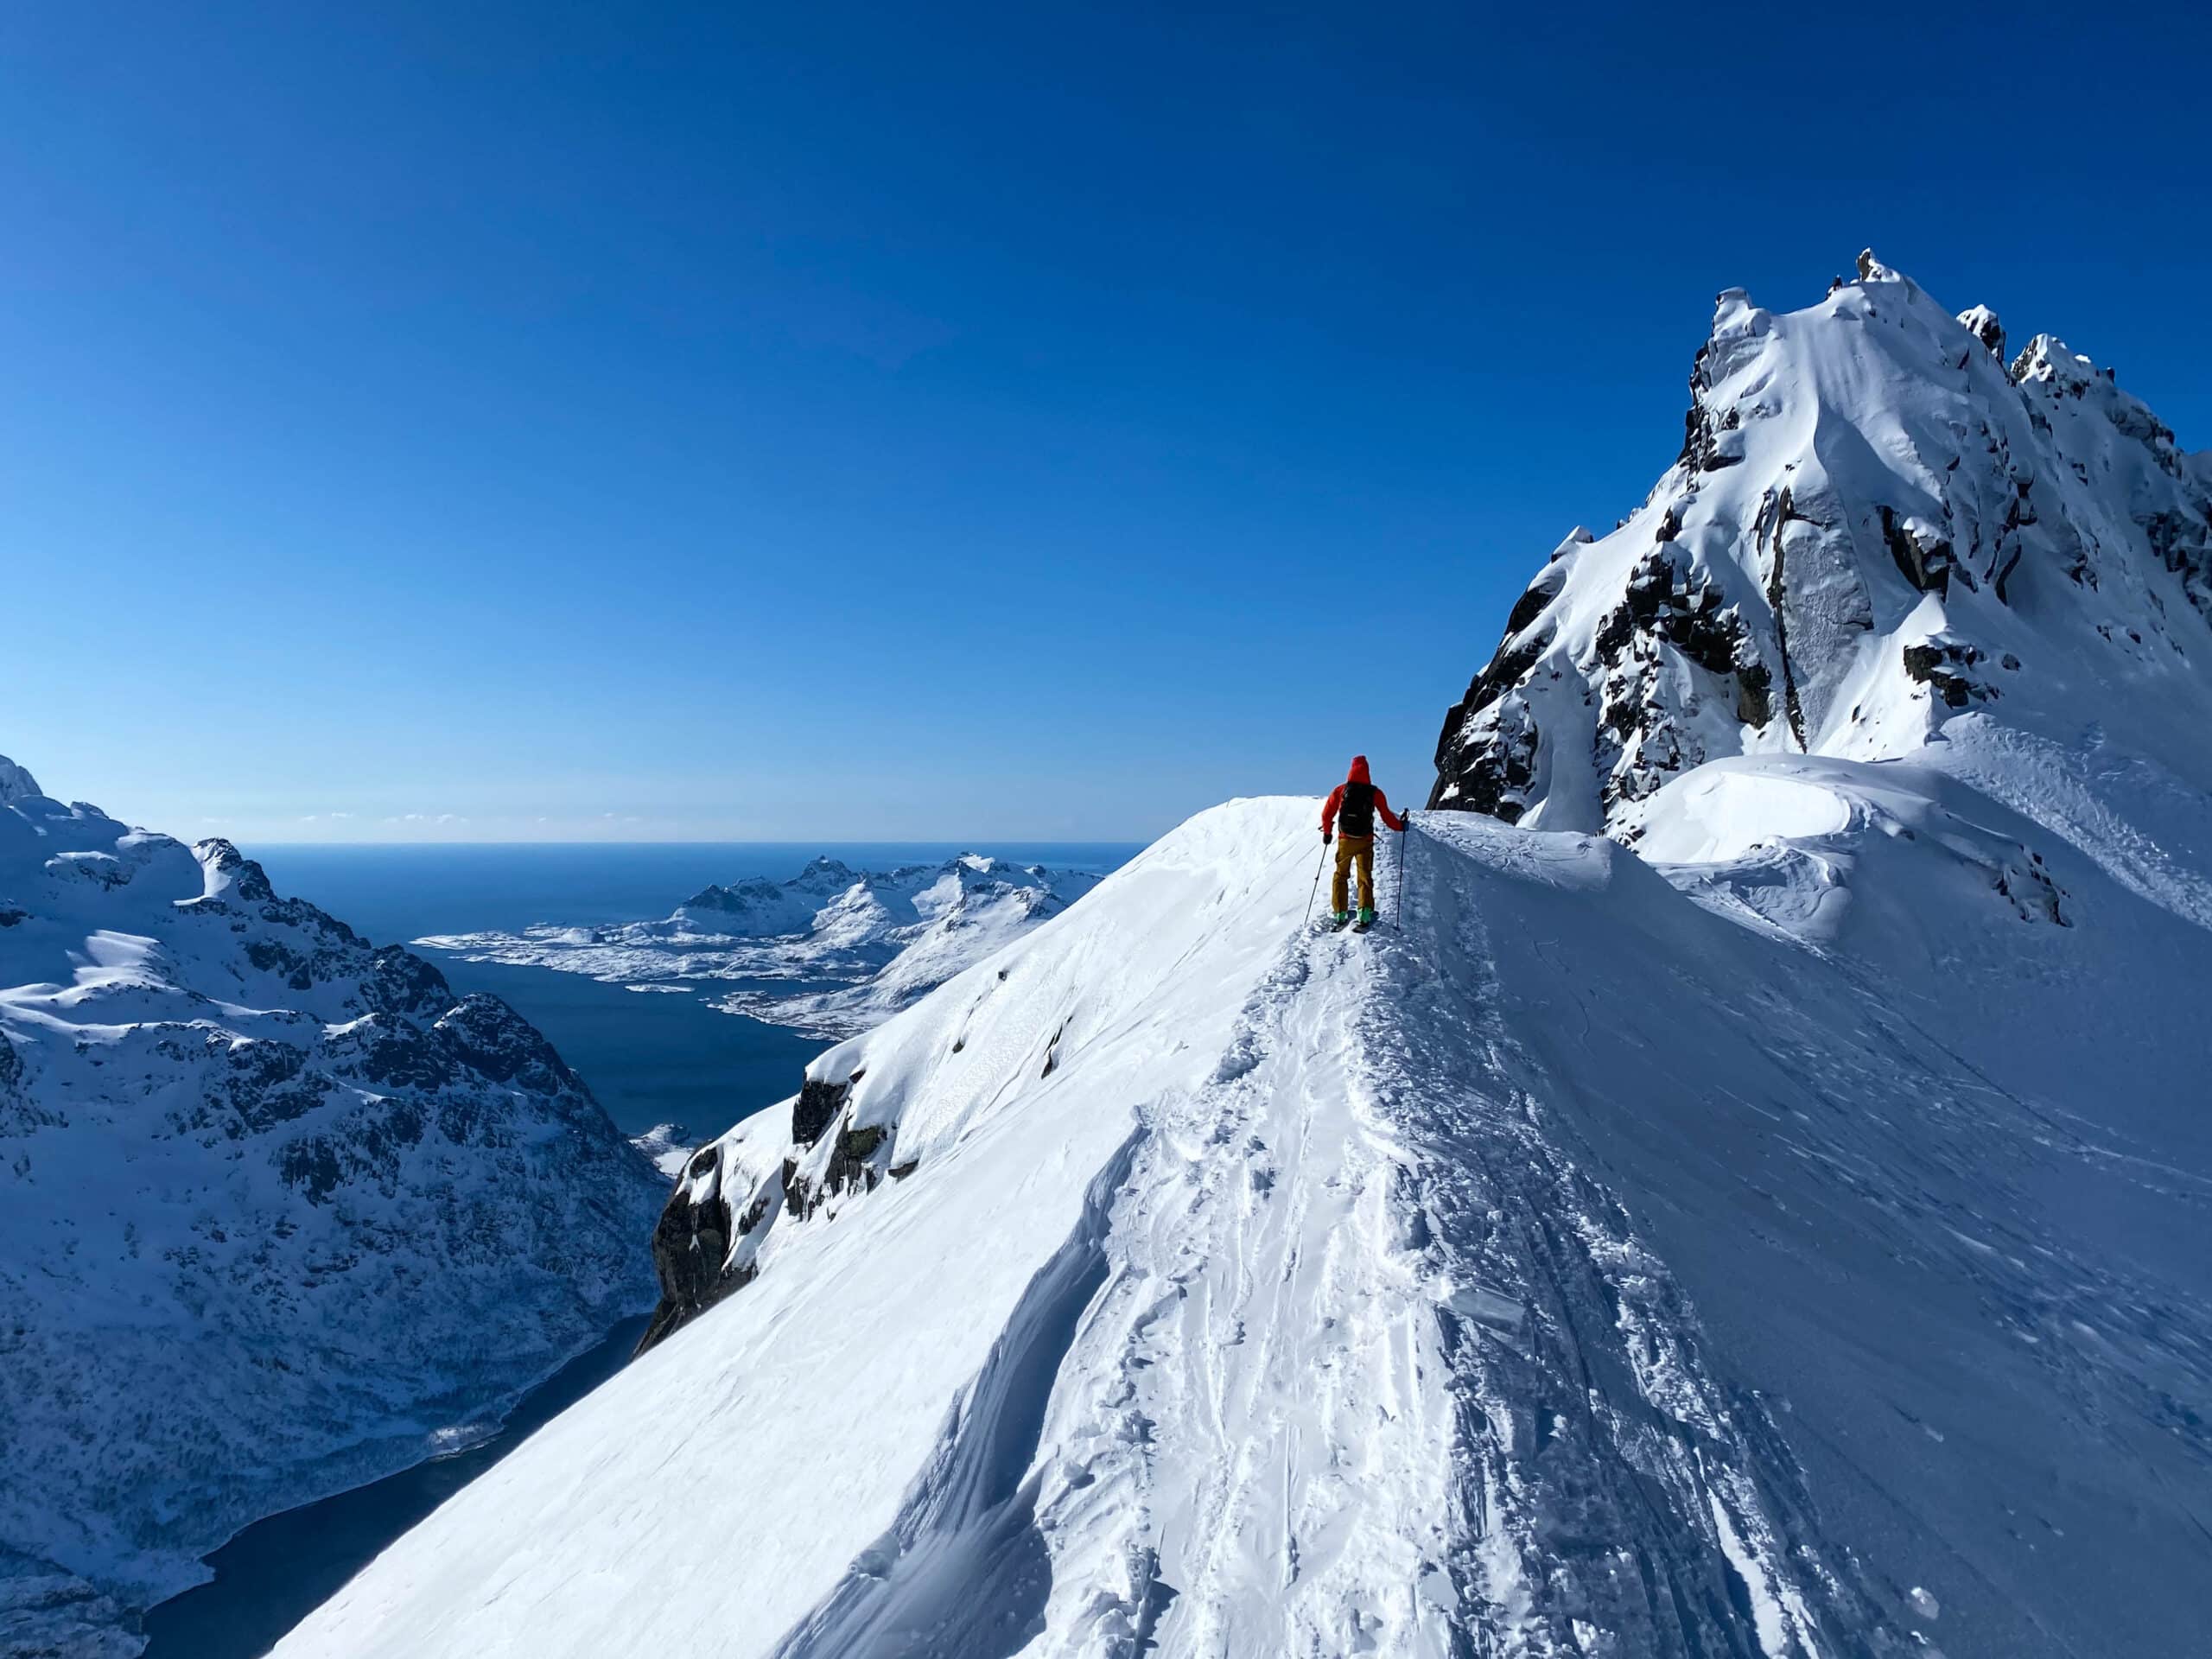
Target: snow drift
(279,1207)
(1784,1238)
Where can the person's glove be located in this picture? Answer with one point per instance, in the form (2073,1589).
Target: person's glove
(1326,837)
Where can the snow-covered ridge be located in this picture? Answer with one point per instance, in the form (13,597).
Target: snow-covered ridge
(278,1206)
(833,951)
(1877,532)
(1612,1263)
(1782,1239)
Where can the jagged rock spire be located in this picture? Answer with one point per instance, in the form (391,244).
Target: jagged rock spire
(1873,526)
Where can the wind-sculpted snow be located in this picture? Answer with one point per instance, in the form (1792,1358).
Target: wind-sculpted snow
(279,1206)
(1877,533)
(1611,1263)
(832,951)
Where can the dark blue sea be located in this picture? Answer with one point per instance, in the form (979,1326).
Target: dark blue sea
(649,1058)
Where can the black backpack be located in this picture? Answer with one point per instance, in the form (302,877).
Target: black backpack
(1356,814)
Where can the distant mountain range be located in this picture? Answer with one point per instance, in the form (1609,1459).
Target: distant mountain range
(279,1213)
(841,950)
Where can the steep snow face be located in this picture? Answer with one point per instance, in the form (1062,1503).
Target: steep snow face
(279,1206)
(1613,1262)
(1875,531)
(842,950)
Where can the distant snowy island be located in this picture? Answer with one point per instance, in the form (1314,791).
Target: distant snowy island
(831,952)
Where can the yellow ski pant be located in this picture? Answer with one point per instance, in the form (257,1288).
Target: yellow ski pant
(1350,850)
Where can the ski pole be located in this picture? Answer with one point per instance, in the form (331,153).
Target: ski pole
(1398,920)
(1318,867)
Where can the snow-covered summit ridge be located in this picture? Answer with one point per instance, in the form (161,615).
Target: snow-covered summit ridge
(841,949)
(1621,1260)
(1877,529)
(279,1205)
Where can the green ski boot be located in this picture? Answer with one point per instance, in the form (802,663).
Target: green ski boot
(1339,918)
(1366,920)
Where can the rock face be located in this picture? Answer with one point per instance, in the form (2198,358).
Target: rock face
(280,1207)
(783,1164)
(1874,526)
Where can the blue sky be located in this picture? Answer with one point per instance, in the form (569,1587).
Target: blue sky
(566,421)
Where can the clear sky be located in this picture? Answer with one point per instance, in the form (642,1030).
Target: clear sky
(520,420)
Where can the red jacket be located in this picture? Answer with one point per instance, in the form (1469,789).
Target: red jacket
(1358,775)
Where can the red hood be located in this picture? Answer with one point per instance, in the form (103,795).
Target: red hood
(1358,772)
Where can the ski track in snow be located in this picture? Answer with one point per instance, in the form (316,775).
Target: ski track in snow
(1256,1292)
(1404,1268)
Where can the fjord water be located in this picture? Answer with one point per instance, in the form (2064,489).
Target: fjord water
(650,1059)
(276,1571)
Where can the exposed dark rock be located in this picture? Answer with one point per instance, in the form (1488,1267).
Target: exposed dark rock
(816,1109)
(312,1164)
(849,1160)
(1981,322)
(399,981)
(1460,748)
(1942,666)
(2183,545)
(1926,562)
(485,1034)
(1495,768)
(1532,602)
(1704,448)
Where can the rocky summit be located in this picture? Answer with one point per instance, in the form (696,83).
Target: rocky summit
(1877,525)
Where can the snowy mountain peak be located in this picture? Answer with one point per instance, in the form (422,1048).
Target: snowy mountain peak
(1874,529)
(275,1199)
(16,783)
(232,873)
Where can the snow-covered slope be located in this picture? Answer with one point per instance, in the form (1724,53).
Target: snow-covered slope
(1596,1269)
(279,1210)
(1785,1238)
(839,950)
(1876,531)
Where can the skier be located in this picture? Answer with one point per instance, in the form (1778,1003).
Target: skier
(1358,801)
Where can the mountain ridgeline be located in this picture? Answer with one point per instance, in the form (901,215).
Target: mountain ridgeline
(1877,523)
(284,1213)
